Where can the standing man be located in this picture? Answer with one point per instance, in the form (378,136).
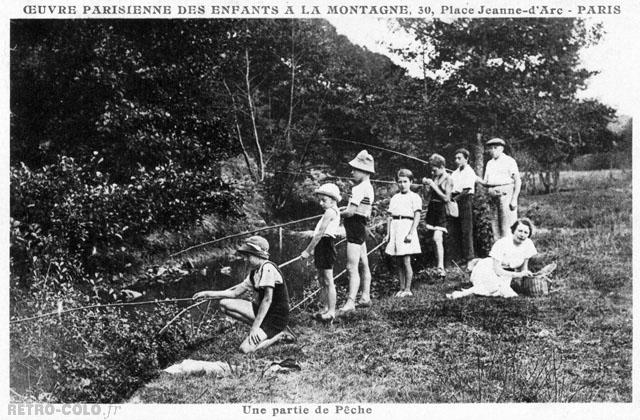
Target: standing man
(502,178)
(464,186)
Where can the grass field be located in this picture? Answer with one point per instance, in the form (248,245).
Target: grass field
(574,345)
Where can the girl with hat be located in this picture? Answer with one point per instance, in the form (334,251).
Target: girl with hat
(324,249)
(269,314)
(402,230)
(355,220)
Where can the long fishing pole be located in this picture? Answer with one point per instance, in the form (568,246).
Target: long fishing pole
(334,278)
(249,232)
(104,305)
(384,149)
(375,147)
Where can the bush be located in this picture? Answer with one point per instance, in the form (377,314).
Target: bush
(68,208)
(96,355)
(482,232)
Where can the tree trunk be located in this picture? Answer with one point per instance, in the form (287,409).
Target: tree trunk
(253,118)
(479,155)
(555,178)
(544,179)
(239,132)
(288,144)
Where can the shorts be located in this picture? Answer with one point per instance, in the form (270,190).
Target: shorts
(436,218)
(273,323)
(325,254)
(354,227)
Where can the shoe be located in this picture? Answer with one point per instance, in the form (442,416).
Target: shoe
(399,293)
(318,314)
(326,318)
(407,293)
(288,336)
(363,304)
(441,273)
(343,312)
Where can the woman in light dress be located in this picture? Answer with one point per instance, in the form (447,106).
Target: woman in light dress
(508,259)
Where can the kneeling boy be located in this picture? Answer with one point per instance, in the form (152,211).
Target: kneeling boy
(268,316)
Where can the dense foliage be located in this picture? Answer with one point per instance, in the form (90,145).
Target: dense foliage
(512,78)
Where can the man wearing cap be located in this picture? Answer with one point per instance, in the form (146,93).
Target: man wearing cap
(356,217)
(269,314)
(502,177)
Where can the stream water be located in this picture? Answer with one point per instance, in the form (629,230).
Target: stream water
(298,275)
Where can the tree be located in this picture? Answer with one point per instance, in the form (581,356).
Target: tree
(513,78)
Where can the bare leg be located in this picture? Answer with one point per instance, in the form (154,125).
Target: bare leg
(330,291)
(353,255)
(239,309)
(408,273)
(400,272)
(248,347)
(323,292)
(365,274)
(437,238)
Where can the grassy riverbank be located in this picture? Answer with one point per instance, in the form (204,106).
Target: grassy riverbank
(573,345)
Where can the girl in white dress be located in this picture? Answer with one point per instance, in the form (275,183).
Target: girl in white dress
(402,224)
(508,259)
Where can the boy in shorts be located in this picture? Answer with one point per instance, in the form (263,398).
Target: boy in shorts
(356,217)
(324,249)
(269,315)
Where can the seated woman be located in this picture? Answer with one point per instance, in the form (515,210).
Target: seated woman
(508,259)
(268,316)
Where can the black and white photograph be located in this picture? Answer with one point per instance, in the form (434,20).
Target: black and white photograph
(332,213)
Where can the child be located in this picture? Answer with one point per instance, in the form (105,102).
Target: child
(355,220)
(268,316)
(439,193)
(324,254)
(402,230)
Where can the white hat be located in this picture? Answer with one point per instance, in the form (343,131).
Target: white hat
(330,190)
(496,140)
(363,162)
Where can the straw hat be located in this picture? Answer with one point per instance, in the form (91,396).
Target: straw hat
(363,162)
(256,246)
(330,190)
(495,141)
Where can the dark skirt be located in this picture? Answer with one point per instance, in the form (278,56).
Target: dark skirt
(436,214)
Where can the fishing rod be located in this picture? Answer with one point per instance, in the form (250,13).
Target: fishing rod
(249,232)
(384,149)
(375,147)
(104,305)
(343,178)
(334,278)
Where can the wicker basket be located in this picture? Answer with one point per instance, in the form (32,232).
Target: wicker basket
(535,286)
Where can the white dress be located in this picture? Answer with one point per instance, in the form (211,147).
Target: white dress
(404,205)
(486,282)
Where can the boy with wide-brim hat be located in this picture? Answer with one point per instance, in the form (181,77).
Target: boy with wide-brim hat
(502,177)
(269,315)
(356,217)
